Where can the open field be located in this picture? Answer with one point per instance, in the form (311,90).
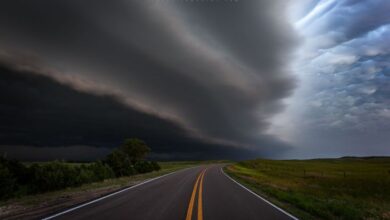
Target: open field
(346,188)
(31,206)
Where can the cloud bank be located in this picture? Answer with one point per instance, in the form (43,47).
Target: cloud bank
(196,79)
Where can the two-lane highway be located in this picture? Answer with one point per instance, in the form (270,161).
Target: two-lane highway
(203,192)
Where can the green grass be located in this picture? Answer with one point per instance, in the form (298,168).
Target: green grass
(74,195)
(347,188)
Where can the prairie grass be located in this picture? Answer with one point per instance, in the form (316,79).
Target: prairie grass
(345,188)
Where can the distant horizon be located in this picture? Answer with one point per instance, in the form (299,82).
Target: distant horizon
(102,157)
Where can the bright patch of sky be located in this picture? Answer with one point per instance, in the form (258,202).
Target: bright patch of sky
(342,103)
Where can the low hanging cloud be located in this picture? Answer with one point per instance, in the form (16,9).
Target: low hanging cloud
(212,72)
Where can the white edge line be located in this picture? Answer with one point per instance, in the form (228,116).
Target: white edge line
(112,194)
(258,196)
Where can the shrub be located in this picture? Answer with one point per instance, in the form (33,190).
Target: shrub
(18,179)
(120,163)
(17,169)
(7,182)
(101,171)
(143,166)
(156,166)
(54,175)
(59,175)
(85,174)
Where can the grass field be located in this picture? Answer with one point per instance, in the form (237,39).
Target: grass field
(37,205)
(346,188)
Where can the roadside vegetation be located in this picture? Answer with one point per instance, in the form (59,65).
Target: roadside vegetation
(345,188)
(37,205)
(18,179)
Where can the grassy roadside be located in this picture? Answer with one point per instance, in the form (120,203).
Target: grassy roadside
(33,206)
(348,188)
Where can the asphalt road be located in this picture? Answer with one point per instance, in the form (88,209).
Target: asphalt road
(197,193)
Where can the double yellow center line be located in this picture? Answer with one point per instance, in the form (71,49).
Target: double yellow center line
(199,182)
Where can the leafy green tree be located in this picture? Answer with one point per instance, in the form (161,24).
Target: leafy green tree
(135,149)
(120,163)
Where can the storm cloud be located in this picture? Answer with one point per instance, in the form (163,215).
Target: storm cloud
(342,102)
(195,79)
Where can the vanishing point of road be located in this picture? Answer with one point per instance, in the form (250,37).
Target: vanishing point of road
(200,193)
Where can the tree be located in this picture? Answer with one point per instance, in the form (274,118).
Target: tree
(129,158)
(120,163)
(135,149)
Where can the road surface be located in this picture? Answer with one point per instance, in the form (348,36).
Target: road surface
(201,193)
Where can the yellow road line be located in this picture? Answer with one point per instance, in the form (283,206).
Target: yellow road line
(192,200)
(200,206)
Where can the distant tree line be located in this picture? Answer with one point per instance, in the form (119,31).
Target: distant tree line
(17,179)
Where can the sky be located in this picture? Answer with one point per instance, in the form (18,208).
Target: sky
(342,103)
(211,79)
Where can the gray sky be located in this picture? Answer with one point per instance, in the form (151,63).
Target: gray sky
(194,79)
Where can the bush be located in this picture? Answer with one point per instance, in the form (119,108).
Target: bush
(18,179)
(17,169)
(85,174)
(7,182)
(120,163)
(143,166)
(59,175)
(101,171)
(156,166)
(54,175)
